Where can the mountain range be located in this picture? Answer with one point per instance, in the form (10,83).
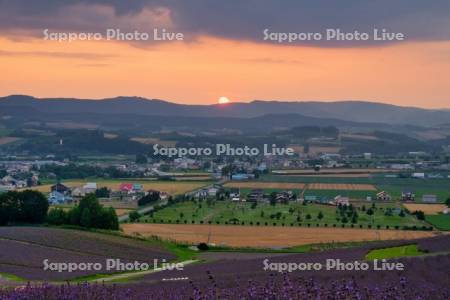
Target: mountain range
(346,111)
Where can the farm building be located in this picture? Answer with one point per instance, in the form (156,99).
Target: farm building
(59,187)
(339,200)
(284,196)
(255,195)
(235,192)
(126,188)
(429,198)
(383,196)
(56,197)
(90,187)
(408,195)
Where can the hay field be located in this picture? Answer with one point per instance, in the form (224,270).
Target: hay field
(342,186)
(170,187)
(253,236)
(428,209)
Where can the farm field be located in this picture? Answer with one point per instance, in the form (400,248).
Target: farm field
(170,187)
(7,139)
(23,250)
(225,212)
(394,252)
(251,236)
(264,185)
(341,186)
(428,209)
(331,171)
(439,221)
(394,186)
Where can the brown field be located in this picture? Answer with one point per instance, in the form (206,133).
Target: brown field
(152,141)
(359,137)
(251,236)
(122,211)
(110,135)
(359,175)
(265,185)
(331,171)
(428,209)
(71,125)
(8,139)
(170,187)
(341,186)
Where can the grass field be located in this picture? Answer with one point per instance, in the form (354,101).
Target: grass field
(394,252)
(440,221)
(225,212)
(269,237)
(170,187)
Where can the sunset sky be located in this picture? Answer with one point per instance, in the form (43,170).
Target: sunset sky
(223,52)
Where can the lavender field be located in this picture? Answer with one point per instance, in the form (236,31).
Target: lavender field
(23,250)
(242,276)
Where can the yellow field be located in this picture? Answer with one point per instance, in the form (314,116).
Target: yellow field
(152,141)
(170,187)
(342,186)
(428,209)
(264,185)
(252,236)
(332,171)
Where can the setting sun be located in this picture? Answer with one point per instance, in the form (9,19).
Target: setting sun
(223,100)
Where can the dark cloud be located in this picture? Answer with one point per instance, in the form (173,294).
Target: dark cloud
(236,19)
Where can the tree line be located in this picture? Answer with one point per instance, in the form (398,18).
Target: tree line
(32,207)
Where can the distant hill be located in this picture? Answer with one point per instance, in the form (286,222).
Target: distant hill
(348,111)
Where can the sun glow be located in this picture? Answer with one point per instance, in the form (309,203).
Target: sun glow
(223,100)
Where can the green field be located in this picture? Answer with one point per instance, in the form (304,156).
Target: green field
(440,221)
(394,186)
(394,252)
(226,212)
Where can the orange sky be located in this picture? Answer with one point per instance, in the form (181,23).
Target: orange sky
(411,74)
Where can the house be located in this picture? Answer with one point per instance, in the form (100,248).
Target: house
(61,188)
(137,187)
(339,200)
(418,175)
(78,192)
(310,198)
(163,195)
(284,196)
(383,196)
(235,193)
(56,197)
(429,198)
(408,195)
(212,191)
(255,195)
(89,187)
(126,188)
(202,193)
(242,176)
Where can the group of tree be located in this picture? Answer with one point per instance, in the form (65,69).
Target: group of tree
(89,213)
(151,197)
(23,207)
